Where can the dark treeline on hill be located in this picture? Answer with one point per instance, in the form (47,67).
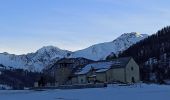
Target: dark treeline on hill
(19,78)
(153,56)
(154,46)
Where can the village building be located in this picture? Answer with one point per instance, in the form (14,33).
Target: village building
(69,71)
(124,70)
(62,71)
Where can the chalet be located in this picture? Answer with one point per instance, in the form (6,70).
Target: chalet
(124,70)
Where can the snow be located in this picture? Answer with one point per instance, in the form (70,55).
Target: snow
(33,61)
(97,65)
(48,54)
(113,92)
(104,65)
(102,50)
(102,70)
(167,82)
(5,87)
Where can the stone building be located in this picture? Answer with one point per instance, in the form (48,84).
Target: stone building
(62,71)
(124,70)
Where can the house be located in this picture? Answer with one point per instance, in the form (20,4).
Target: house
(62,70)
(84,71)
(124,70)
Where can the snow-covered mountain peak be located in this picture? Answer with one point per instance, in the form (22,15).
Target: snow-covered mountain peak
(48,54)
(48,49)
(34,61)
(129,39)
(132,35)
(52,50)
(102,50)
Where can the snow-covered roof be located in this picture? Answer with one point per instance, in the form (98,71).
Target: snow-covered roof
(97,65)
(105,65)
(102,70)
(92,76)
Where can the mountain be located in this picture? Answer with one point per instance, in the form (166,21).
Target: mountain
(49,54)
(102,50)
(153,56)
(33,61)
(154,46)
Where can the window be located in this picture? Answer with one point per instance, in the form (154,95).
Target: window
(81,80)
(132,68)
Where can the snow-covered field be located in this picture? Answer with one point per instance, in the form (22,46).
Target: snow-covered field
(143,92)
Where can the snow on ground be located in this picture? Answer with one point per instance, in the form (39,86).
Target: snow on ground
(143,92)
(4,87)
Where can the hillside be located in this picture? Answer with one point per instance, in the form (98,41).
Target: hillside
(33,61)
(153,55)
(153,46)
(102,50)
(49,54)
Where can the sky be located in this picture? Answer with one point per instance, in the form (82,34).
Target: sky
(27,25)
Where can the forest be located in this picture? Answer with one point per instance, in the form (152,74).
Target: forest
(156,50)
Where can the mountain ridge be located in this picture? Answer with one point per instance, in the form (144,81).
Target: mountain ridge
(118,45)
(48,54)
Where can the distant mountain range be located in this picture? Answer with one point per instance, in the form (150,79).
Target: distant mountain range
(49,54)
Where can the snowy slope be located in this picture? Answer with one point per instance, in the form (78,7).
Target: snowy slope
(46,55)
(102,50)
(33,61)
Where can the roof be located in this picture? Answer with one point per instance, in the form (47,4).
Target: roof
(96,65)
(102,66)
(102,70)
(75,61)
(121,62)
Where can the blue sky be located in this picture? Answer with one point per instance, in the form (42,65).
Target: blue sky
(27,25)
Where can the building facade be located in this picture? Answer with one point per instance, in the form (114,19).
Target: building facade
(83,71)
(124,70)
(62,71)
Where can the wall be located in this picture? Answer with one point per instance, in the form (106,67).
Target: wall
(62,74)
(109,76)
(74,80)
(101,77)
(132,71)
(82,79)
(119,74)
